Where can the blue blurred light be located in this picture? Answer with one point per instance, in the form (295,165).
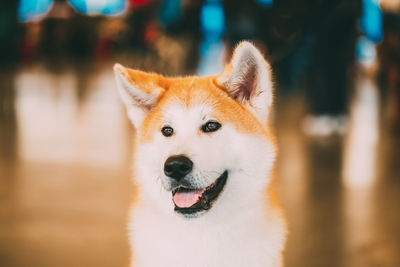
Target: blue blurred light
(170,11)
(34,9)
(212,21)
(365,51)
(265,2)
(79,5)
(29,10)
(371,20)
(211,57)
(212,18)
(105,7)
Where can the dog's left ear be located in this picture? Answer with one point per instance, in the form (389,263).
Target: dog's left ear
(247,79)
(140,91)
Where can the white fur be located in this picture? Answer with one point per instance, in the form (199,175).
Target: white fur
(236,231)
(210,240)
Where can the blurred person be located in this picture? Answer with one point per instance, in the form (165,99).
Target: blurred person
(389,61)
(181,17)
(171,13)
(241,21)
(8,33)
(316,39)
(162,35)
(181,23)
(141,23)
(333,30)
(68,36)
(109,32)
(30,39)
(9,37)
(69,29)
(8,118)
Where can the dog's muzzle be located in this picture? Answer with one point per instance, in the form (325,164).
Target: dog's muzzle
(188,199)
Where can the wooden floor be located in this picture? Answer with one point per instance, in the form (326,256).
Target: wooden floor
(65,186)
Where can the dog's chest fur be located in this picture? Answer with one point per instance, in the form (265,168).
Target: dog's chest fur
(159,240)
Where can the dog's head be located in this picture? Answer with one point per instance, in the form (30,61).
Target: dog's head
(202,143)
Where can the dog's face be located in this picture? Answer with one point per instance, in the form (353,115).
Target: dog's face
(202,145)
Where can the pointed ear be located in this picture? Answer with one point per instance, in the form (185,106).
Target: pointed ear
(247,79)
(140,91)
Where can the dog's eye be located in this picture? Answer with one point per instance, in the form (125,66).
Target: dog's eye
(211,126)
(167,131)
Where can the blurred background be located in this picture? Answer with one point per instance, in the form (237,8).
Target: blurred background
(65,141)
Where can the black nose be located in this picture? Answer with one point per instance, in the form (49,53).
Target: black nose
(177,167)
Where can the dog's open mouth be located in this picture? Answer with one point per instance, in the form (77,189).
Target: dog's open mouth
(190,201)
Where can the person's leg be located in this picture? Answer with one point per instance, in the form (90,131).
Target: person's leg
(330,77)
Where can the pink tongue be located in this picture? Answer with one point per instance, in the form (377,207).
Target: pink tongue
(187,199)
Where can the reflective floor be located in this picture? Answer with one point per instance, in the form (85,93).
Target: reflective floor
(65,187)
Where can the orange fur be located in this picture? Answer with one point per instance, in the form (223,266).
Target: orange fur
(190,91)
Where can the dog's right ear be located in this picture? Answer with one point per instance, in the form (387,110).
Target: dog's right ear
(140,91)
(247,79)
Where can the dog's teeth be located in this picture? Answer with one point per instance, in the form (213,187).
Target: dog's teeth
(204,202)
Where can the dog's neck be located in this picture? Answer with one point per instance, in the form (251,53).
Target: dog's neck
(258,234)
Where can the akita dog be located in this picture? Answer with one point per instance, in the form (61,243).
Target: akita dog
(203,156)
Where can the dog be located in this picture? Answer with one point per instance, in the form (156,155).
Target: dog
(203,159)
